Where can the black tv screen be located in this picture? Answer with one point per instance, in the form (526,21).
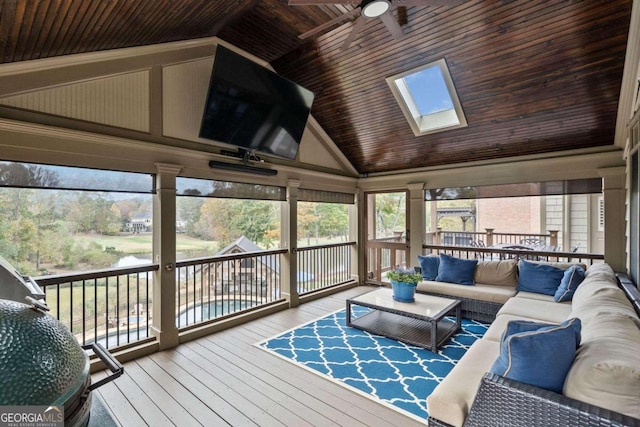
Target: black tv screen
(254,108)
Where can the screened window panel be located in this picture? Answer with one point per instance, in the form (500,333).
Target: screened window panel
(305,195)
(549,188)
(230,190)
(31,175)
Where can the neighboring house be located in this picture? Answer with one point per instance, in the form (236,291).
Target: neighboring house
(250,273)
(579,218)
(140,222)
(262,271)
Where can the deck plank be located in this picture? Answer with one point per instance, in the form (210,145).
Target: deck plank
(169,405)
(164,376)
(192,381)
(225,379)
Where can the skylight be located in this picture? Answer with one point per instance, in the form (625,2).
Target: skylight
(428,98)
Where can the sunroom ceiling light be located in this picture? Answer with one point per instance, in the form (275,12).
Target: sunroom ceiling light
(375,8)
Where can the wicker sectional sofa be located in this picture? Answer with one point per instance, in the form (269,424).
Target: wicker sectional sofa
(494,283)
(602,387)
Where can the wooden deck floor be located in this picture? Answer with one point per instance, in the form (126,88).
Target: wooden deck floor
(223,379)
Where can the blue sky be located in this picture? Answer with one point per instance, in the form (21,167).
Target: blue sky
(429,90)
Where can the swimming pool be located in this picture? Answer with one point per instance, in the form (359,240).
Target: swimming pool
(212,310)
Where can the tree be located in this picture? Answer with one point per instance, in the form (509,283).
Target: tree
(25,175)
(225,220)
(188,209)
(92,213)
(334,219)
(390,213)
(307,221)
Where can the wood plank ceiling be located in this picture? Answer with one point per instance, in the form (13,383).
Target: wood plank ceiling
(533,76)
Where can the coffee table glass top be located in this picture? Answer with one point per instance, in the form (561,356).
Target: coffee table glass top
(425,305)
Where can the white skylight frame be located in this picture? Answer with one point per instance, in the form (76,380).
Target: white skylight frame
(435,122)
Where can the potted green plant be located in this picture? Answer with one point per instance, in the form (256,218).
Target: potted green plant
(403,283)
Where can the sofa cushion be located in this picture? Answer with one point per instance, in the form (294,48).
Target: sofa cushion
(499,273)
(533,295)
(451,400)
(603,301)
(541,357)
(539,278)
(536,309)
(498,326)
(602,269)
(571,279)
(489,293)
(429,266)
(456,270)
(606,371)
(591,285)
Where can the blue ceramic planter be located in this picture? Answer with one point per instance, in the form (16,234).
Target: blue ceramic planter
(403,292)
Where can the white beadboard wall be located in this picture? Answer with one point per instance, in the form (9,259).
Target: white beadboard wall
(184,92)
(121,100)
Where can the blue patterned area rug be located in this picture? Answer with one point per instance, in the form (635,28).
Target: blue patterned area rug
(385,370)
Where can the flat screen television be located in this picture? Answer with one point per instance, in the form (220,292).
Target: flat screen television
(254,108)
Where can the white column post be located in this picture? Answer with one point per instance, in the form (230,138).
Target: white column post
(164,253)
(354,235)
(289,239)
(615,224)
(417,219)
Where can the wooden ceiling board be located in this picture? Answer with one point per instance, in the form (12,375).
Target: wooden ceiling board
(533,76)
(522,71)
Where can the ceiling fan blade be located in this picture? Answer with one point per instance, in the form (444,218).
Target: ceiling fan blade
(401,11)
(319,2)
(428,2)
(392,25)
(328,24)
(358,24)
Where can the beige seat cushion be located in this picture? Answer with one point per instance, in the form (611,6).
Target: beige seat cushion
(553,312)
(498,273)
(494,333)
(490,293)
(451,400)
(606,371)
(533,295)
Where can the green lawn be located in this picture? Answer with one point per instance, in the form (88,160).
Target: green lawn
(142,244)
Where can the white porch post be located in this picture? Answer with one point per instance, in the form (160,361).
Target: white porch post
(289,239)
(417,222)
(164,253)
(354,236)
(615,224)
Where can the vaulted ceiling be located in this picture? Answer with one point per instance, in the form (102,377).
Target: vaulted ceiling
(533,76)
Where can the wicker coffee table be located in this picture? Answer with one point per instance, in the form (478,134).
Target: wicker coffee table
(428,322)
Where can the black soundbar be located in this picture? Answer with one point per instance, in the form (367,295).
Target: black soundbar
(242,168)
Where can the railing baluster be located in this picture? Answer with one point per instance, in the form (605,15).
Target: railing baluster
(95,313)
(84,313)
(118,321)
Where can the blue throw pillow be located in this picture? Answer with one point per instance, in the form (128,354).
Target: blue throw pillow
(540,357)
(456,270)
(572,278)
(539,278)
(429,266)
(518,326)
